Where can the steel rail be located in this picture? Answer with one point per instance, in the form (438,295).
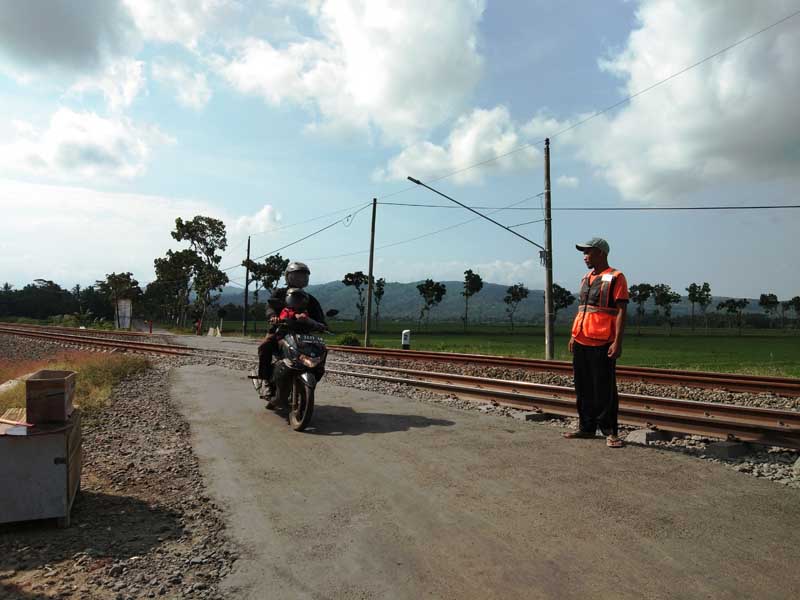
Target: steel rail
(94,341)
(765,426)
(99,332)
(725,381)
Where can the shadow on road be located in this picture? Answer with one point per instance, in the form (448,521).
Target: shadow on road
(343,420)
(105,528)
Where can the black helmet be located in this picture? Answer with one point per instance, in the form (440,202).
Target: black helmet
(294,267)
(296,299)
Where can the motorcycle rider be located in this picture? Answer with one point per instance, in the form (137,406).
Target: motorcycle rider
(296,276)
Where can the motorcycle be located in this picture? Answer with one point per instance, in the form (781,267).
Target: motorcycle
(298,365)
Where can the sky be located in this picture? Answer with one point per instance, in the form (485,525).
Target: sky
(283,117)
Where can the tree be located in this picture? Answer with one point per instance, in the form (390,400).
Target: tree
(265,275)
(206,236)
(472,285)
(380,289)
(171,290)
(734,308)
(432,293)
(795,304)
(664,297)
(119,286)
(639,295)
(357,280)
(514,295)
(699,294)
(769,303)
(562,298)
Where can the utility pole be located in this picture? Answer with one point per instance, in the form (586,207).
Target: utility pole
(547,256)
(369,277)
(246,288)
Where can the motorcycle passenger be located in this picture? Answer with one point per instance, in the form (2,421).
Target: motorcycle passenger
(296,276)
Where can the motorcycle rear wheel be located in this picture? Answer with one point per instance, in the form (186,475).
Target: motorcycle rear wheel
(302,405)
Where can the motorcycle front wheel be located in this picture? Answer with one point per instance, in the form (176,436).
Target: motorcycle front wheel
(302,406)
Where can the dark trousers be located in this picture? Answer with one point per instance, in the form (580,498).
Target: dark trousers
(265,351)
(595,388)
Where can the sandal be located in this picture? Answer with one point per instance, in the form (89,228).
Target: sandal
(574,435)
(613,441)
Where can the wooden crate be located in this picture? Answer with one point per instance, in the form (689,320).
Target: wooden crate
(40,468)
(48,396)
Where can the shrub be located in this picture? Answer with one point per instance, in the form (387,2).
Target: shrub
(348,339)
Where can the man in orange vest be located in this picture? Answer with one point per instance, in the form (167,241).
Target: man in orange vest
(596,343)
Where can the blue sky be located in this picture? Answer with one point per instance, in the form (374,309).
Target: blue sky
(119,117)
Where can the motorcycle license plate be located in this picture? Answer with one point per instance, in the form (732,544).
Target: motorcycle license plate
(310,339)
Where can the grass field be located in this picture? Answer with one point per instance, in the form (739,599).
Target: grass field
(764,352)
(97,374)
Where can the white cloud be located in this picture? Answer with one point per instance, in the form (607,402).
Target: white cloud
(177,21)
(401,69)
(264,220)
(120,83)
(83,145)
(567,181)
(42,34)
(191,89)
(480,136)
(731,119)
(81,234)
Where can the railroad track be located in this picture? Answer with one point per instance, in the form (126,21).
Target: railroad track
(782,386)
(89,339)
(732,422)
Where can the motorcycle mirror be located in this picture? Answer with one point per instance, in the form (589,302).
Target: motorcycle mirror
(332,313)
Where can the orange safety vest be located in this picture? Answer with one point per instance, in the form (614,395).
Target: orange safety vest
(597,313)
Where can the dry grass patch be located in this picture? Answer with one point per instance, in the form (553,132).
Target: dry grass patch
(97,375)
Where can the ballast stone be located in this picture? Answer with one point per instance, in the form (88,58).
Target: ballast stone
(647,436)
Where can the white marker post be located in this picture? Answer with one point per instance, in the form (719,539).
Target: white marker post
(406,339)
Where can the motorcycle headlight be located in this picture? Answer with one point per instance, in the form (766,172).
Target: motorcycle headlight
(310,361)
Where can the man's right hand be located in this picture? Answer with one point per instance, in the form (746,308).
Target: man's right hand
(273,319)
(571,344)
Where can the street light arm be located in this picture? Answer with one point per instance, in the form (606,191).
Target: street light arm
(418,182)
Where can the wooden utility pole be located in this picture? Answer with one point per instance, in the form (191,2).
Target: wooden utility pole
(548,259)
(246,288)
(368,320)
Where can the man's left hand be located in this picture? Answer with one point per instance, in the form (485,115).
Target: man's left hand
(615,350)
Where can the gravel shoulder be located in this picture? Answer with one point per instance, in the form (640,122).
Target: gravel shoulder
(404,499)
(142,526)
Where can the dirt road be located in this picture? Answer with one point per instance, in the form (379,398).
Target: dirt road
(391,498)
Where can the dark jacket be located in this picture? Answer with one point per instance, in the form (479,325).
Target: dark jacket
(277,302)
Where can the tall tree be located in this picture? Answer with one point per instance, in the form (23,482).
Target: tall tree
(664,297)
(795,304)
(699,294)
(378,292)
(432,293)
(514,295)
(119,286)
(357,280)
(769,304)
(207,237)
(174,283)
(265,275)
(639,295)
(562,298)
(735,309)
(472,285)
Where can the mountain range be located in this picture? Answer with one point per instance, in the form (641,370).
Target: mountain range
(402,302)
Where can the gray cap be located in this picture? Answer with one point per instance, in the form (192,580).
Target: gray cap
(595,242)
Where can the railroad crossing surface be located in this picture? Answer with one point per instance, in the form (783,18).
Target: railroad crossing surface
(394,498)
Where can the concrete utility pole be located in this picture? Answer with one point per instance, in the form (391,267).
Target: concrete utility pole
(547,255)
(369,276)
(246,288)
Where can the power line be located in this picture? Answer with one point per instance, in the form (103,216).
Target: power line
(430,233)
(346,220)
(676,74)
(634,208)
(526,223)
(606,109)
